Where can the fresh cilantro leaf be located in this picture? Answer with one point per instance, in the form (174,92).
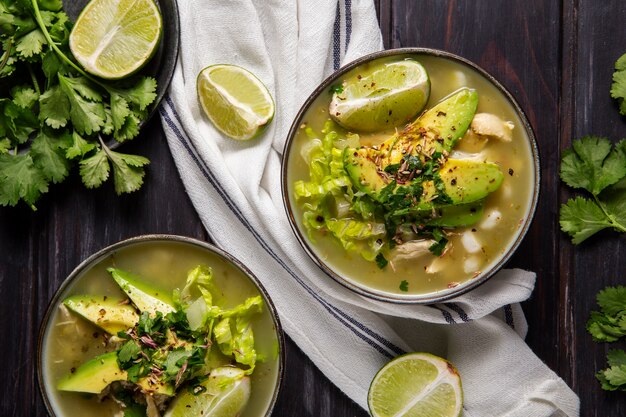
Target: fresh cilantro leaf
(582,218)
(128,171)
(119,110)
(84,87)
(129,129)
(593,164)
(87,116)
(95,169)
(381,261)
(20,179)
(142,93)
(437,248)
(616,375)
(49,155)
(616,357)
(50,5)
(16,123)
(24,97)
(54,108)
(618,88)
(5,146)
(404,285)
(612,300)
(31,44)
(79,147)
(129,352)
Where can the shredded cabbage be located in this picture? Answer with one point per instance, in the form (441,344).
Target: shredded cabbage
(329,201)
(230,328)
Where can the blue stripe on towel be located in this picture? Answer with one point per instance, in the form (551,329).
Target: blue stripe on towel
(337,39)
(508,316)
(446,315)
(348,22)
(336,312)
(462,314)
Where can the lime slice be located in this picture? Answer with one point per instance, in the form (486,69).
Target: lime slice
(416,385)
(227,391)
(115,38)
(237,103)
(382,97)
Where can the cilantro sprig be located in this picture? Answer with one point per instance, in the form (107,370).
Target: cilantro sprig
(596,166)
(609,325)
(54,115)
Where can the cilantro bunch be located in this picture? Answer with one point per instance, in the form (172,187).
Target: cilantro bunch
(53,115)
(609,325)
(599,168)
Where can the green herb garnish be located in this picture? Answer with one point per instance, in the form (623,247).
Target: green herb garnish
(609,325)
(55,114)
(381,261)
(618,88)
(596,166)
(404,286)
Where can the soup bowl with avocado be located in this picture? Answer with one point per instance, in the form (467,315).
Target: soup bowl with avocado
(160,326)
(410,176)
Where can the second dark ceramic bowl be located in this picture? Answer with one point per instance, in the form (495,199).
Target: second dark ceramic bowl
(346,279)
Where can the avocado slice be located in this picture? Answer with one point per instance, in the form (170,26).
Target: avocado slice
(144,296)
(436,130)
(108,313)
(95,375)
(461,215)
(465,181)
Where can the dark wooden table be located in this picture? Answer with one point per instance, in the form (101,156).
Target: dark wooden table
(556,57)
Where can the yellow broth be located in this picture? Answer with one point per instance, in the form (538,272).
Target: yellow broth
(513,200)
(70,341)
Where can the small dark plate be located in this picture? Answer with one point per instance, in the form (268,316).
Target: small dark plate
(162,65)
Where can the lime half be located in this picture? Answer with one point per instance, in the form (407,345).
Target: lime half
(235,101)
(382,97)
(226,394)
(416,385)
(115,38)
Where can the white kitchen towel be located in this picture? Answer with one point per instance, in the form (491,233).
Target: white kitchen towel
(235,187)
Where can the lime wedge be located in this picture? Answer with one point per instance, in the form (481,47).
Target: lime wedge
(384,96)
(115,38)
(416,385)
(227,391)
(237,103)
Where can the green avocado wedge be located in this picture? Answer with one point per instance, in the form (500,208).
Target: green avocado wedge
(108,313)
(144,296)
(461,215)
(95,375)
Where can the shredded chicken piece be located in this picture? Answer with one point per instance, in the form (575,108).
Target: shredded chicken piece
(151,409)
(486,124)
(411,250)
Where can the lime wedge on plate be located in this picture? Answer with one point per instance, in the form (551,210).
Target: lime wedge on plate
(236,101)
(226,393)
(416,385)
(385,96)
(115,38)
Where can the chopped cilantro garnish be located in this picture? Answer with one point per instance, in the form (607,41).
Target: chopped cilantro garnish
(381,261)
(337,88)
(404,286)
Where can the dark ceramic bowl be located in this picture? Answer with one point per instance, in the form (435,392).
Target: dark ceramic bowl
(349,281)
(145,244)
(163,63)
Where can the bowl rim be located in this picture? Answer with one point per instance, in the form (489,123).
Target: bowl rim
(89,262)
(429,298)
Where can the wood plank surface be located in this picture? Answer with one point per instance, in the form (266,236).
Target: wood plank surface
(555,57)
